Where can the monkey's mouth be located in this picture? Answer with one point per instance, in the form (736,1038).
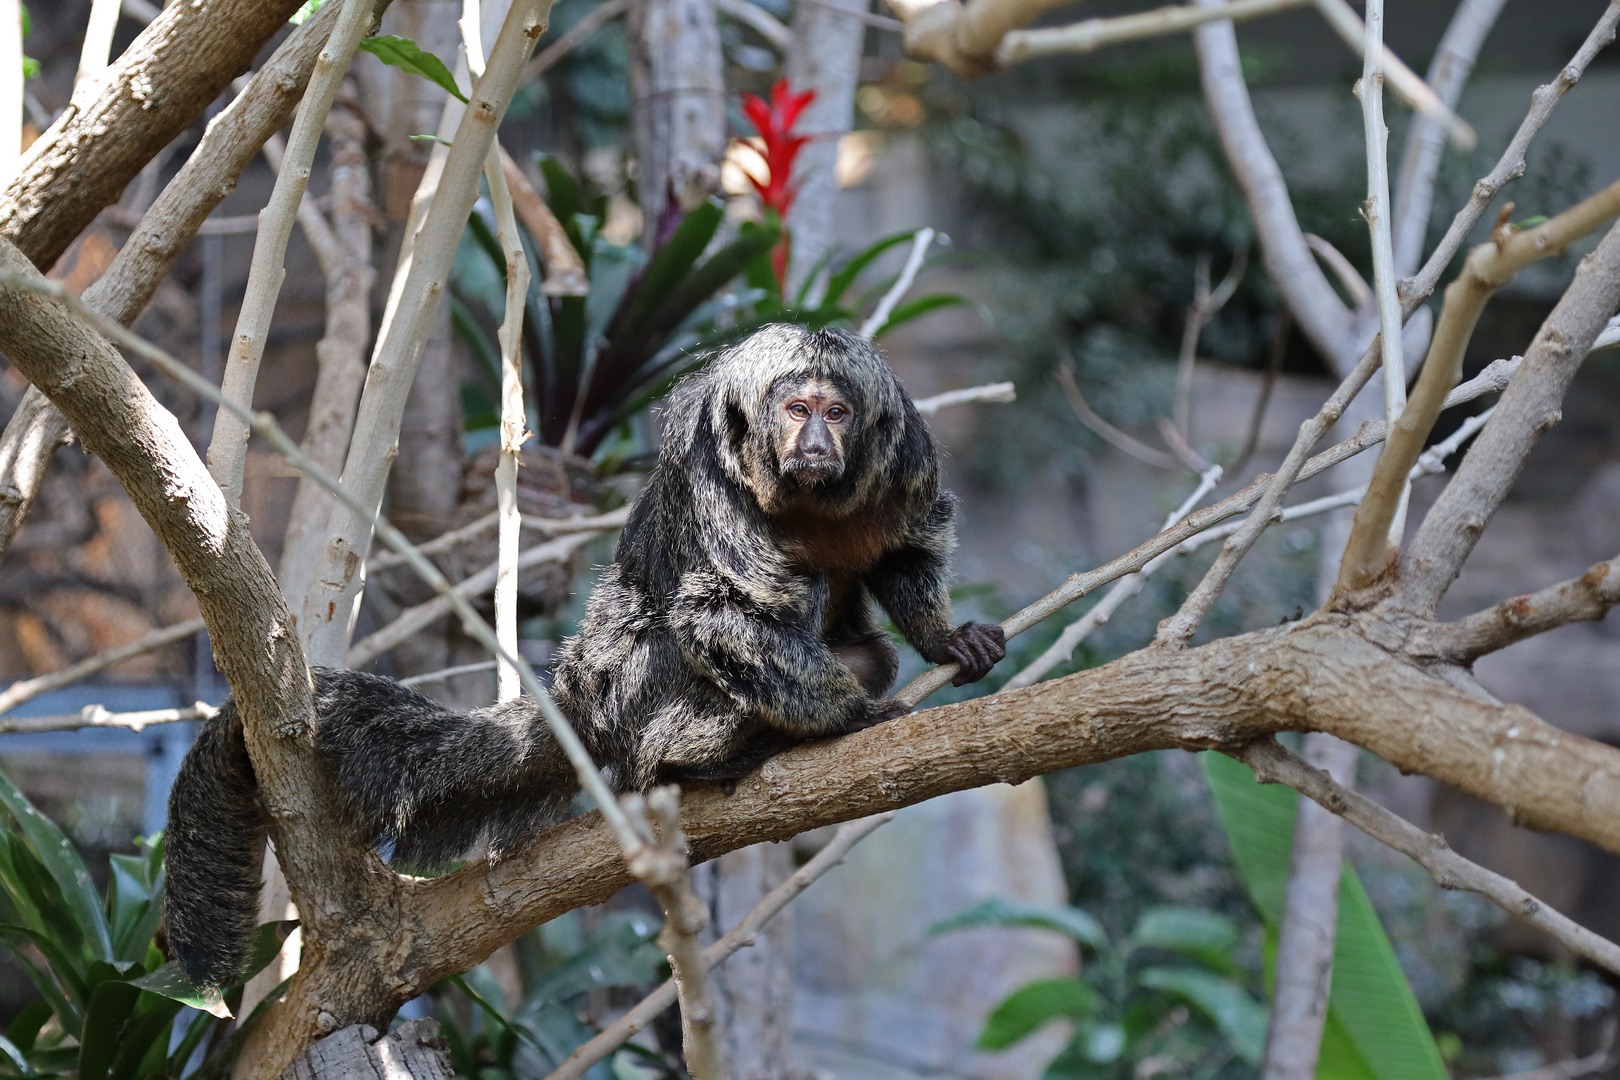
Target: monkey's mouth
(812,473)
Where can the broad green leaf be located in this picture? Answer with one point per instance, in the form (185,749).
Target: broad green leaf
(1031,1006)
(619,952)
(1369,998)
(668,265)
(68,1013)
(24,1028)
(406,55)
(111,1004)
(61,859)
(1203,935)
(68,974)
(909,310)
(1240,1018)
(145,1040)
(171,982)
(1069,921)
(134,907)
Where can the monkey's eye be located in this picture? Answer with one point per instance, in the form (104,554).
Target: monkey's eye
(798,411)
(836,413)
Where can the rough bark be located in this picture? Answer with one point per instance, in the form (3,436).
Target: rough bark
(159,85)
(413,1051)
(678,105)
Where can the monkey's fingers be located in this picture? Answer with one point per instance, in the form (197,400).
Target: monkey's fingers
(977,647)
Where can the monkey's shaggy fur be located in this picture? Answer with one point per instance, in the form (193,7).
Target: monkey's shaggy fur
(733,623)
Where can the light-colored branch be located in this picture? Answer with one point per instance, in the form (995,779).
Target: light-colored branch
(317,230)
(1083,583)
(1204,307)
(98,716)
(1177,630)
(1371,92)
(1610,334)
(737,938)
(1510,166)
(96,52)
(507,683)
(1420,164)
(565,273)
(227,451)
(1110,434)
(963,37)
(759,20)
(448,673)
(1361,294)
(415,619)
(27,689)
(1000,392)
(1490,266)
(661,865)
(902,284)
(1272,764)
(877,22)
(333,599)
(577,35)
(1321,315)
(1402,79)
(467,533)
(34,433)
(1094,34)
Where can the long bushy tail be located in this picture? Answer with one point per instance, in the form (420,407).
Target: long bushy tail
(215,847)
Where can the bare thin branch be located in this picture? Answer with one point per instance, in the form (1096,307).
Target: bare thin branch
(565,273)
(599,16)
(1094,34)
(467,533)
(761,21)
(448,673)
(1583,599)
(738,937)
(1272,764)
(27,689)
(34,433)
(902,284)
(1110,434)
(1361,294)
(98,716)
(1001,392)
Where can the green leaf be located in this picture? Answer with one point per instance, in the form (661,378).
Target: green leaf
(406,55)
(1071,922)
(1240,1018)
(310,7)
(619,952)
(67,1012)
(1531,222)
(171,982)
(909,310)
(61,859)
(133,905)
(667,267)
(1203,935)
(110,1006)
(840,282)
(1029,1007)
(1369,998)
(15,1054)
(68,975)
(31,68)
(145,1039)
(24,1028)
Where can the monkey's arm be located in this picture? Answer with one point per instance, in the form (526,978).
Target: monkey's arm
(769,658)
(912,582)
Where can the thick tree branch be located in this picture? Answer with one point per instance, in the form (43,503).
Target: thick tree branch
(1272,764)
(158,86)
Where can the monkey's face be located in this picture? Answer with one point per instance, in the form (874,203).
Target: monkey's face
(812,420)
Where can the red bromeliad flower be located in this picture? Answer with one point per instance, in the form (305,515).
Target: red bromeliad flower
(774,122)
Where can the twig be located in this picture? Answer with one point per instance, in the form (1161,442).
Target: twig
(1001,392)
(1420,164)
(227,450)
(565,273)
(761,21)
(877,22)
(1268,384)
(738,937)
(1093,34)
(1371,92)
(33,434)
(1490,266)
(98,716)
(27,689)
(1083,583)
(1510,166)
(1192,327)
(1595,1062)
(449,541)
(1179,446)
(908,274)
(1083,411)
(448,673)
(1402,79)
(1272,764)
(97,49)
(661,865)
(1583,599)
(264,424)
(413,620)
(1361,294)
(577,34)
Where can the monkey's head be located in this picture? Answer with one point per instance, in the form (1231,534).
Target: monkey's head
(796,414)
